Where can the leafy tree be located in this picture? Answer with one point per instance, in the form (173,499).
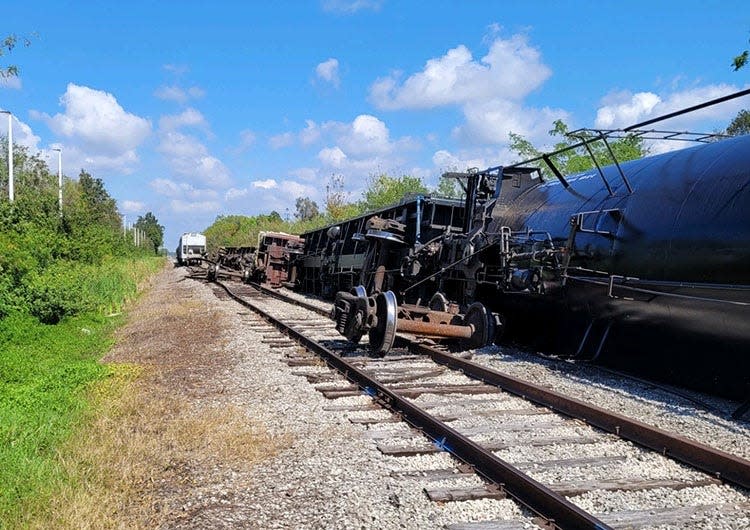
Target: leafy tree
(741,60)
(338,205)
(8,43)
(384,190)
(150,226)
(740,124)
(578,160)
(306,209)
(448,188)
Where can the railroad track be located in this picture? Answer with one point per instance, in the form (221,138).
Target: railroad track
(561,448)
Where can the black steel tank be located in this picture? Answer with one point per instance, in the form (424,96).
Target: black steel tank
(659,277)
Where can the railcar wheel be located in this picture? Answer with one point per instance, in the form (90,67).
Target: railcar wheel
(483,323)
(360,292)
(439,302)
(383,334)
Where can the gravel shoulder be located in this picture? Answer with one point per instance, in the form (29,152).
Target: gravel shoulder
(287,457)
(318,471)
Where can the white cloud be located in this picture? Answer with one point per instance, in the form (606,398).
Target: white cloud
(491,122)
(281,140)
(176,69)
(310,134)
(179,94)
(264,184)
(247,138)
(332,156)
(187,118)
(22,133)
(190,159)
(305,173)
(11,82)
(621,109)
(328,71)
(490,91)
(180,206)
(510,71)
(447,161)
(347,7)
(132,206)
(97,129)
(233,194)
(170,188)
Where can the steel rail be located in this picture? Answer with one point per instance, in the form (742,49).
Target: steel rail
(300,303)
(554,508)
(720,464)
(727,467)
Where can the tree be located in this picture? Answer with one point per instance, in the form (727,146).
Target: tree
(741,60)
(150,226)
(447,188)
(578,160)
(306,209)
(384,190)
(338,205)
(740,124)
(10,42)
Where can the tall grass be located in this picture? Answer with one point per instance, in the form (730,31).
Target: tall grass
(45,371)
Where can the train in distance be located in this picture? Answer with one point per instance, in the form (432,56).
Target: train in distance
(191,248)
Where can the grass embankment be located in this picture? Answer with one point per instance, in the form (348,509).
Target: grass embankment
(124,444)
(46,373)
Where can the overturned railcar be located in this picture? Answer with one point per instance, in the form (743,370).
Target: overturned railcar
(643,266)
(370,250)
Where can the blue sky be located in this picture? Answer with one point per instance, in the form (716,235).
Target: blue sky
(194,109)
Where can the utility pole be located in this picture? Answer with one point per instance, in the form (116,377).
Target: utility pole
(59,177)
(11,193)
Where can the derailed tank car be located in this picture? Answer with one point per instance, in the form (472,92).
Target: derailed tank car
(643,266)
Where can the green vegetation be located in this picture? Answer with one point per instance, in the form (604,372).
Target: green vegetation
(384,190)
(740,61)
(242,231)
(63,281)
(578,160)
(6,46)
(740,124)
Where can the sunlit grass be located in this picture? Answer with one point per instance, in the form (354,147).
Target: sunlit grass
(46,372)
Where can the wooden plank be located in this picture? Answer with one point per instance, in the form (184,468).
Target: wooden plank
(464,494)
(332,392)
(353,408)
(497,524)
(304,361)
(393,418)
(571,462)
(570,489)
(670,516)
(319,377)
(375,421)
(424,448)
(433,474)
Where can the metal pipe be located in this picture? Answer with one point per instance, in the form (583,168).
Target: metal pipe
(433,329)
